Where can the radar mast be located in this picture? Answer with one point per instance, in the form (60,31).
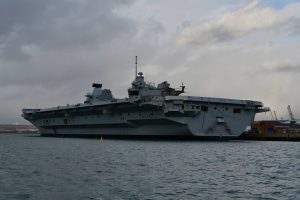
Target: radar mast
(135,66)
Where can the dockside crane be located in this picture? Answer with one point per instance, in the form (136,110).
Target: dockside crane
(275,115)
(272,118)
(293,120)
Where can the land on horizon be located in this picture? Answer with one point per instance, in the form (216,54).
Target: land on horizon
(19,128)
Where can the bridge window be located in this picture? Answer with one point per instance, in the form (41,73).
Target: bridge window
(135,93)
(65,121)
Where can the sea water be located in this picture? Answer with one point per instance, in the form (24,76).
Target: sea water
(33,167)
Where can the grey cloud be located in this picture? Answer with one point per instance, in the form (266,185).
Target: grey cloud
(58,24)
(288,68)
(278,68)
(151,30)
(293,26)
(48,42)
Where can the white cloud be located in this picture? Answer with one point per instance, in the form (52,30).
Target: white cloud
(232,25)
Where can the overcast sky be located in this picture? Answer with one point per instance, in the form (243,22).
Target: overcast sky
(52,51)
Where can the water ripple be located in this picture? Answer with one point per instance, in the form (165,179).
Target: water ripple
(59,168)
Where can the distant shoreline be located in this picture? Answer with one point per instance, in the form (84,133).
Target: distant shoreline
(22,129)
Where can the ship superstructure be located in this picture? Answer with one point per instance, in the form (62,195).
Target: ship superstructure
(148,110)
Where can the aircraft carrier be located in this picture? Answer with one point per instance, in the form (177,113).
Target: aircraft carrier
(149,110)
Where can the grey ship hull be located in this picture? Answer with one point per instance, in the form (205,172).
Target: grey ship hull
(180,116)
